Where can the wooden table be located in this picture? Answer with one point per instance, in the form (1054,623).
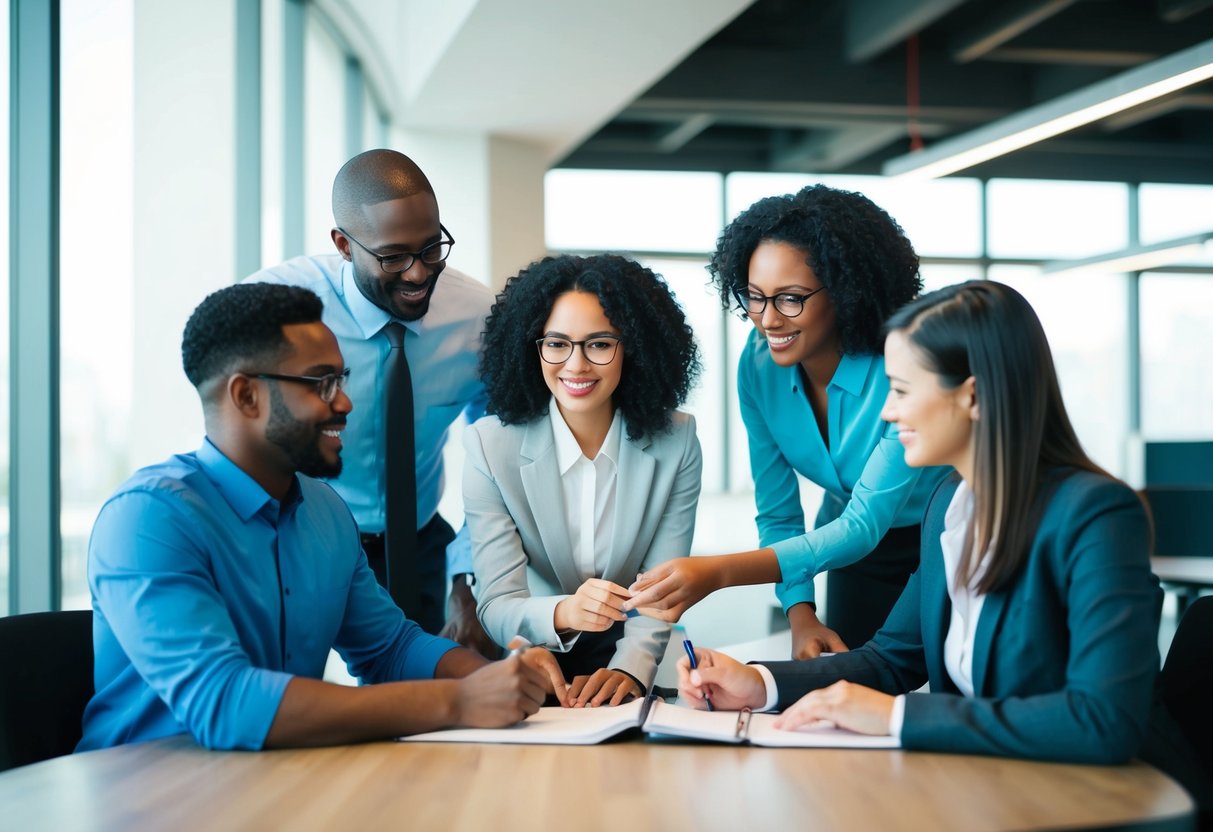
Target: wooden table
(631,785)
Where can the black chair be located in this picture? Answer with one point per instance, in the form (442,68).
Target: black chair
(46,660)
(1181,738)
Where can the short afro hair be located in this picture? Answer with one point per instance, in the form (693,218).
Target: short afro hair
(242,323)
(660,358)
(857,251)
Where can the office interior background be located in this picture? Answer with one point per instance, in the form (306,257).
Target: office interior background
(156,150)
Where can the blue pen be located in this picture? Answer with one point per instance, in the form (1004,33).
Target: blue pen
(690,648)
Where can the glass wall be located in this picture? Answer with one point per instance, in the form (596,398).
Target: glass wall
(1176,348)
(4,266)
(324,149)
(96,352)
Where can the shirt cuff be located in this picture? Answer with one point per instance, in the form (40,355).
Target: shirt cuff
(897,717)
(768,682)
(459,554)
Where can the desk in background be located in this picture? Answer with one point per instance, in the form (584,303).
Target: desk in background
(634,785)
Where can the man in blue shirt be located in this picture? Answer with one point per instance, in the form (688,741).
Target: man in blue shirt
(384,208)
(221,578)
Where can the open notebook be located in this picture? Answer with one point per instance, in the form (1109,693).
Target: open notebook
(587,726)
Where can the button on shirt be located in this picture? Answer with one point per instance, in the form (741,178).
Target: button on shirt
(869,488)
(209,596)
(442,349)
(589,493)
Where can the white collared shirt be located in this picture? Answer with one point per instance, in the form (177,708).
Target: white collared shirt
(589,493)
(966,600)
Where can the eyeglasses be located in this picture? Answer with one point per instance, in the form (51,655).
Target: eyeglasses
(431,255)
(599,349)
(326,385)
(787,304)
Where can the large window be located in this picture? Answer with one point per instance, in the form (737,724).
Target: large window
(1056,220)
(4,382)
(324,149)
(96,266)
(1176,347)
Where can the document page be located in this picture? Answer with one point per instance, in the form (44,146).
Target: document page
(550,726)
(678,721)
(763,732)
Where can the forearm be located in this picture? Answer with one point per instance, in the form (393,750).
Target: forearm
(759,566)
(315,713)
(459,662)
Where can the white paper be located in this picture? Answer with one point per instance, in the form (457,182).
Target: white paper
(550,726)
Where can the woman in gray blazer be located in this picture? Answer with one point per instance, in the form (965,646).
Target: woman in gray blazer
(584,474)
(1033,615)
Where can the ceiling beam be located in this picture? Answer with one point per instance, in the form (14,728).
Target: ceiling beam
(680,134)
(1069,56)
(1008,21)
(827,151)
(872,26)
(1157,109)
(1174,11)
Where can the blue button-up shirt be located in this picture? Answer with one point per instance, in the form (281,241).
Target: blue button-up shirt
(443,352)
(209,595)
(869,488)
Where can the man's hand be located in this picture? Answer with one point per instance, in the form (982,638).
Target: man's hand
(845,704)
(499,694)
(463,626)
(604,687)
(594,607)
(543,661)
(730,684)
(811,638)
(669,589)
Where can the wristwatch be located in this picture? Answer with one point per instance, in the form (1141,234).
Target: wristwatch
(468,578)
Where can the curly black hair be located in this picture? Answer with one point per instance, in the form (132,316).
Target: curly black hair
(242,323)
(857,251)
(660,358)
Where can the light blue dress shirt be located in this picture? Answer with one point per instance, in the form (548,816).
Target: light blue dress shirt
(443,352)
(869,488)
(209,595)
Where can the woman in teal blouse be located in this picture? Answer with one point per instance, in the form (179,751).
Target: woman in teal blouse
(817,273)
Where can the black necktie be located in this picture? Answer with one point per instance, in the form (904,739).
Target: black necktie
(400,524)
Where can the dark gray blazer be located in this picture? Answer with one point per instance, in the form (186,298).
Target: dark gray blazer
(1064,659)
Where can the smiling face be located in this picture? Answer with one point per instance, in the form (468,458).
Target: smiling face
(781,268)
(935,424)
(581,388)
(391,227)
(306,429)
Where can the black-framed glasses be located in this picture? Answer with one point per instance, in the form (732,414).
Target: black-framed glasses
(788,304)
(431,255)
(326,385)
(597,349)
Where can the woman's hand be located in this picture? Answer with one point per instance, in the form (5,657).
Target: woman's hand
(669,589)
(594,607)
(811,638)
(604,687)
(730,684)
(847,705)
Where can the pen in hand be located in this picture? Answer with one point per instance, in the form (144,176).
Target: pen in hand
(690,648)
(518,646)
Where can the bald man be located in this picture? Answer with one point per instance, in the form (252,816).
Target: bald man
(391,265)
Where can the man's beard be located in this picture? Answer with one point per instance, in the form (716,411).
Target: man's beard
(299,440)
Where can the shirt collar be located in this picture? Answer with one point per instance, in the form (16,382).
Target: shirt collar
(369,317)
(242,492)
(850,375)
(568,452)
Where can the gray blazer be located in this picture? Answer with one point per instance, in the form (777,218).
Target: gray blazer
(520,541)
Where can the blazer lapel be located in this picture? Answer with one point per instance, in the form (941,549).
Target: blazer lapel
(992,611)
(633,485)
(541,483)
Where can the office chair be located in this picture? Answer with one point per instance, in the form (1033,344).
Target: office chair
(1186,682)
(46,660)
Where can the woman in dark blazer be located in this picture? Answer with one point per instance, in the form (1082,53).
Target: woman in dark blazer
(1033,615)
